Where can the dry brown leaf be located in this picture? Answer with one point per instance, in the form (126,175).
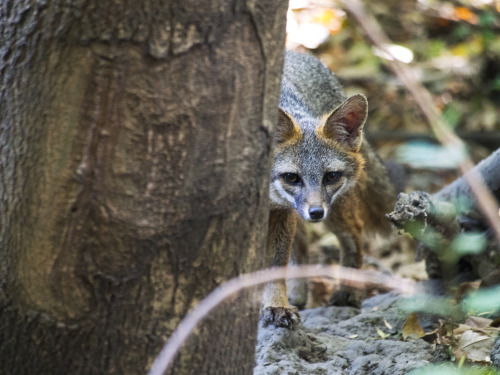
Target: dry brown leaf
(478,322)
(461,329)
(446,328)
(476,346)
(445,334)
(475,339)
(412,328)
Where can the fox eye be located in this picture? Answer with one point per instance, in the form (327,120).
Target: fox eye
(332,177)
(292,178)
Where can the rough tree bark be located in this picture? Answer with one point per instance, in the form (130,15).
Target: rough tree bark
(134,155)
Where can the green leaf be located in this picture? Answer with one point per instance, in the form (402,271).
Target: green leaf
(469,243)
(461,363)
(452,114)
(462,32)
(483,300)
(487,19)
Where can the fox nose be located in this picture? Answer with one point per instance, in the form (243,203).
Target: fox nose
(316,212)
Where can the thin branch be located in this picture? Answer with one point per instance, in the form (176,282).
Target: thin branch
(486,202)
(347,275)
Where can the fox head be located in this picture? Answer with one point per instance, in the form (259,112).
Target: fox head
(317,160)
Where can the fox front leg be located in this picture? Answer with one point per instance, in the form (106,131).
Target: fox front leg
(348,228)
(297,288)
(275,307)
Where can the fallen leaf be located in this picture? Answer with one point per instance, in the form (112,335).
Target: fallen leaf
(387,324)
(477,322)
(475,346)
(382,334)
(412,328)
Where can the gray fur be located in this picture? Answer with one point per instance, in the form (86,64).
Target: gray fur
(308,84)
(310,91)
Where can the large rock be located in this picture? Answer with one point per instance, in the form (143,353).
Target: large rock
(495,353)
(344,340)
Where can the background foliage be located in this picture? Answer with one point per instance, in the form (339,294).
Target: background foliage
(453,47)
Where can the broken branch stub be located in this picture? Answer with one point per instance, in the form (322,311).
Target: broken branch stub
(425,218)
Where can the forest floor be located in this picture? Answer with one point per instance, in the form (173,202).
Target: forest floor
(347,340)
(390,334)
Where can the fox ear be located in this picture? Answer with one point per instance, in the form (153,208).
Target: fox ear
(286,129)
(345,123)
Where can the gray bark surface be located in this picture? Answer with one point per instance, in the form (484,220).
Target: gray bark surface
(488,169)
(134,151)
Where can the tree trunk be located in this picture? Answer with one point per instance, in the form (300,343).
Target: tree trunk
(134,158)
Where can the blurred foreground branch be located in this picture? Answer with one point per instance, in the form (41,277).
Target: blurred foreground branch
(353,277)
(450,224)
(485,200)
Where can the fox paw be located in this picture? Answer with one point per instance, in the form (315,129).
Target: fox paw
(287,317)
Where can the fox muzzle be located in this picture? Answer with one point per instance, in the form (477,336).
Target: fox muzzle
(316,213)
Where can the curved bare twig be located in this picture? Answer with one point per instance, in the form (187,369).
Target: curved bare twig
(347,275)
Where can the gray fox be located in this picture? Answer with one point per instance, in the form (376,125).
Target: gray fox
(323,170)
